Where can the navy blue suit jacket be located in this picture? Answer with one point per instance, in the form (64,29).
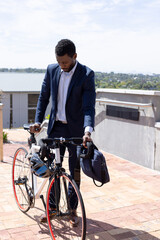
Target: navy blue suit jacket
(80,103)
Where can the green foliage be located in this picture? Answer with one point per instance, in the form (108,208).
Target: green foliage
(110,80)
(129,81)
(5,137)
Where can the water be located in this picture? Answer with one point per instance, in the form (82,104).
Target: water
(21,82)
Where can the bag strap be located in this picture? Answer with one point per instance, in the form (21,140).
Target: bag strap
(97,184)
(94,181)
(94,147)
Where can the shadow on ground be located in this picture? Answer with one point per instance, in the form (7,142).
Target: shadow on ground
(98,230)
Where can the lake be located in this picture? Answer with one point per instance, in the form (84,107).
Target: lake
(17,82)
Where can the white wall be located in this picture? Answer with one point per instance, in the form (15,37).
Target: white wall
(6,110)
(136,141)
(20,109)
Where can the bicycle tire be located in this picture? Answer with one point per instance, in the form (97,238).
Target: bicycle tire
(22,180)
(59,225)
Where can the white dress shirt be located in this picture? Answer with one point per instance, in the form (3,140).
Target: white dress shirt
(64,82)
(62,93)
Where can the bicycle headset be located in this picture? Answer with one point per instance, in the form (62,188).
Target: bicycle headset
(38,167)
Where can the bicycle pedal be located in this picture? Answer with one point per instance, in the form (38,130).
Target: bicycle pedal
(53,213)
(18,182)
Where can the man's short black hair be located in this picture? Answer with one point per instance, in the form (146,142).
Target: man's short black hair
(65,46)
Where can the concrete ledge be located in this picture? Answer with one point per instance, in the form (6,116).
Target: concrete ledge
(128,91)
(134,104)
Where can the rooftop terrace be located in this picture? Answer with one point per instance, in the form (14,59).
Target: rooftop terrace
(126,208)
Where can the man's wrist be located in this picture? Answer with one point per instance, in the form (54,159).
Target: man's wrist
(88,130)
(87,133)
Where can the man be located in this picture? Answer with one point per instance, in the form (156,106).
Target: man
(70,87)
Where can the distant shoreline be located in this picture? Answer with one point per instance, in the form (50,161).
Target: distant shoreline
(42,70)
(22,70)
(102,79)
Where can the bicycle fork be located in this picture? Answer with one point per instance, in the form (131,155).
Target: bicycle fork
(61,190)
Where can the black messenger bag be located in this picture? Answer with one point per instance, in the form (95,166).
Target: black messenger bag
(93,164)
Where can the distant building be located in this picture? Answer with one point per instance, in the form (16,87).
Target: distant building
(20,95)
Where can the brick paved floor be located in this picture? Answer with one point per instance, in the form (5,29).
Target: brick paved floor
(126,208)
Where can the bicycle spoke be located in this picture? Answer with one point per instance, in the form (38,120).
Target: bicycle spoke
(60,225)
(23,194)
(21,179)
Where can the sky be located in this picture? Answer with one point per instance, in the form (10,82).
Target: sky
(110,35)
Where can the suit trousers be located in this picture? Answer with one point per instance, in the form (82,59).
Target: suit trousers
(61,130)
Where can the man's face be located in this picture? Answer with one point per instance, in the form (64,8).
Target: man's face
(66,62)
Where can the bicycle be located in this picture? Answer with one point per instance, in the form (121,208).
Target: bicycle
(25,187)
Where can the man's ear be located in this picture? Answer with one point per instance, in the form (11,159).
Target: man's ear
(75,56)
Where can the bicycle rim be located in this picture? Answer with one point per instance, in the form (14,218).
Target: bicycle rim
(59,224)
(22,180)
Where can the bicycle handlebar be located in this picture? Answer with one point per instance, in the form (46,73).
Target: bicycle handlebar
(26,127)
(74,140)
(52,141)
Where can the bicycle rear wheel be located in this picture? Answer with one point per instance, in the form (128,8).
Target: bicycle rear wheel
(22,180)
(59,223)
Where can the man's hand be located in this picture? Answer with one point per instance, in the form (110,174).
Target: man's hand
(86,138)
(35,128)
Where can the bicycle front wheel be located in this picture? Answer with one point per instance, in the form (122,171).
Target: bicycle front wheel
(59,220)
(22,180)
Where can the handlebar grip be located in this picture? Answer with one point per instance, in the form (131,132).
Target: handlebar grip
(89,151)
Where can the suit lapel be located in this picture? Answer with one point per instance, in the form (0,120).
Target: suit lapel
(58,75)
(55,83)
(74,79)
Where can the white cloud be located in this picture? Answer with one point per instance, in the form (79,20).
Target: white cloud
(110,34)
(132,52)
(88,6)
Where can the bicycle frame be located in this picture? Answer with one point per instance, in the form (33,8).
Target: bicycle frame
(34,149)
(63,198)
